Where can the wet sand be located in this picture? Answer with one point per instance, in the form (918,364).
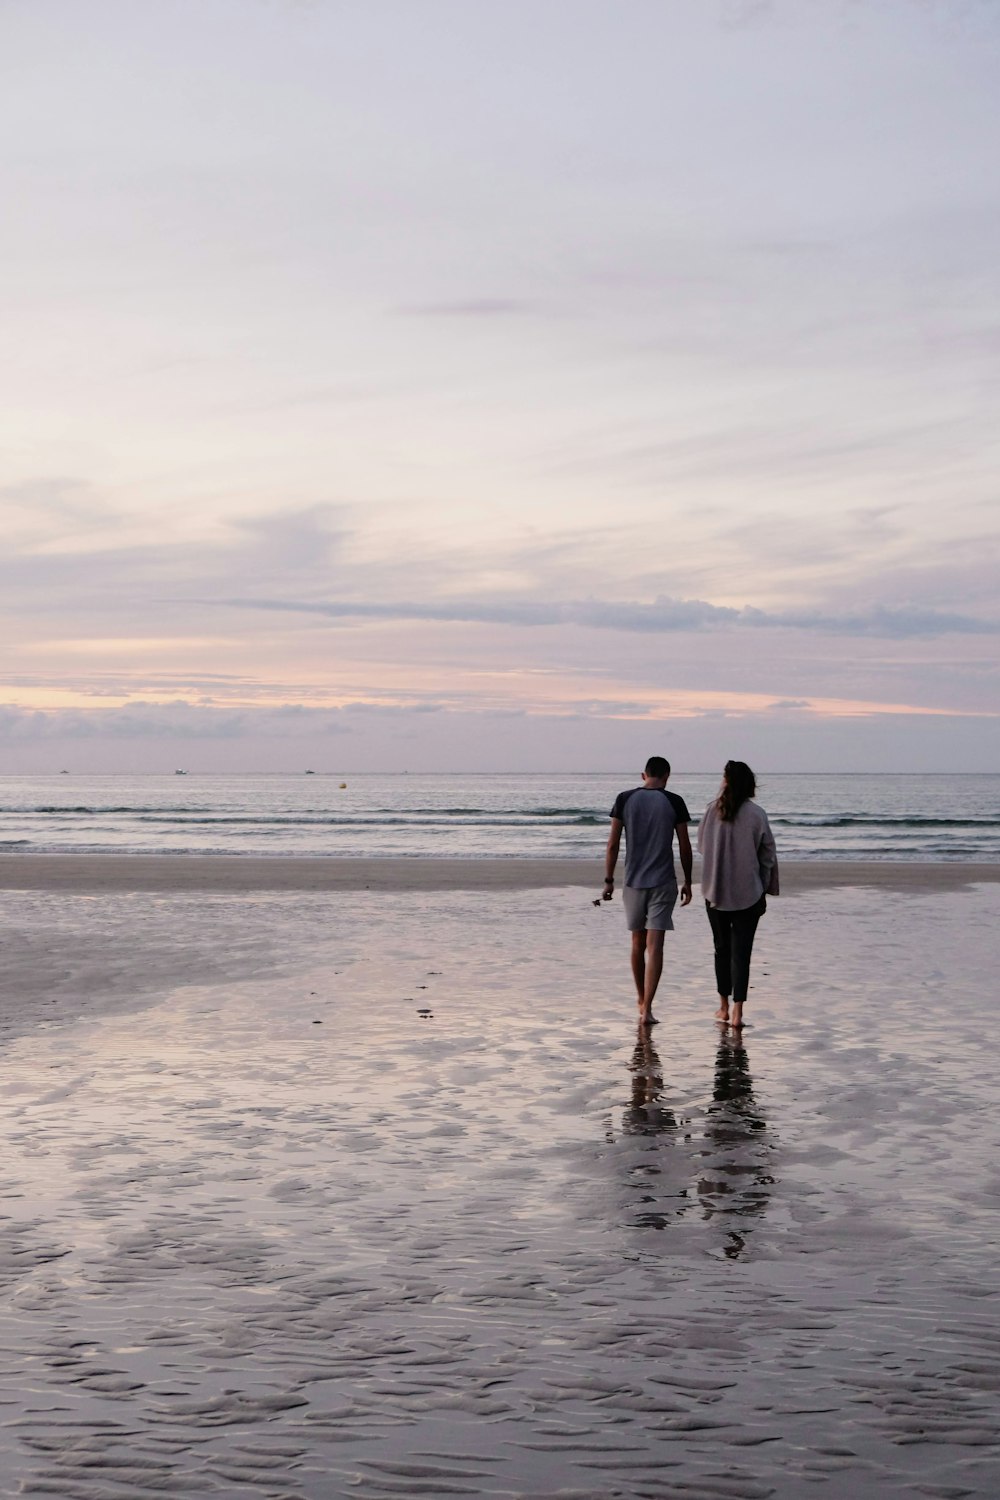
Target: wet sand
(245,873)
(307,1197)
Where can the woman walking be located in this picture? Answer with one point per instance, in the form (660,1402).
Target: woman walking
(739,870)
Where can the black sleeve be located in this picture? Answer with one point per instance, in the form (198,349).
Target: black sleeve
(618,811)
(680,808)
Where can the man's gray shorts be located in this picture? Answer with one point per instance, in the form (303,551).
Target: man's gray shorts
(650,907)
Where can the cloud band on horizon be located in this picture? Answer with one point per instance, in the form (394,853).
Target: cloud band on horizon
(663,615)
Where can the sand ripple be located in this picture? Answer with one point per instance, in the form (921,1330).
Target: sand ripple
(471,1236)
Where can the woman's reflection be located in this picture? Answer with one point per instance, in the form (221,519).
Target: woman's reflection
(737,1176)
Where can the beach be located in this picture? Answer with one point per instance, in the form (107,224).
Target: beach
(240,875)
(337,1177)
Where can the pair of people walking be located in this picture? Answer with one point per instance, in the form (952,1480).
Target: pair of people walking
(739,871)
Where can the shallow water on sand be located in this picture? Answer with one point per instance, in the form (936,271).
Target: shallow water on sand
(391,1200)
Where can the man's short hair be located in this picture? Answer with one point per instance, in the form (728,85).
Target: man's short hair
(657,766)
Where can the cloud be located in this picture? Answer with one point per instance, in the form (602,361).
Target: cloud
(660,617)
(892,624)
(796,448)
(169,721)
(116,564)
(472,307)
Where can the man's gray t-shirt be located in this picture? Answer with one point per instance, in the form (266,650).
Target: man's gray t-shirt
(649,816)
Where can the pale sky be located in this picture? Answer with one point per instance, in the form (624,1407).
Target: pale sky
(499,384)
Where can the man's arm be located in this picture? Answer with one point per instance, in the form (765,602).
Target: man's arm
(611,857)
(684,846)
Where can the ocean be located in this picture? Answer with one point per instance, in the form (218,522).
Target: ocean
(822,817)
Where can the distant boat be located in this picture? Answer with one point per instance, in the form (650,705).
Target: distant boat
(63,773)
(343,785)
(310,773)
(180,773)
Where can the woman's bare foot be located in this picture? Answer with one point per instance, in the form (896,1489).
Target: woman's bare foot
(722,1014)
(737,1017)
(646,1018)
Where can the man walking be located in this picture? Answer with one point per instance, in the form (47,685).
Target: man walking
(649,816)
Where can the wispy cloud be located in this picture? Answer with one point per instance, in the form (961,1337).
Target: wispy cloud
(472,307)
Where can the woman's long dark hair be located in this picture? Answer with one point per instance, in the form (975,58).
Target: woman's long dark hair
(739,784)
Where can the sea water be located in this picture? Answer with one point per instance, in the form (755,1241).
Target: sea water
(902,817)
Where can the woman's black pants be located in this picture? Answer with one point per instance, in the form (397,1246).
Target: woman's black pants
(733,934)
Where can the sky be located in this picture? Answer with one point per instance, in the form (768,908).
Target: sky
(465,385)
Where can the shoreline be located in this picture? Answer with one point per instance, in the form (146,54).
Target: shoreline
(246,874)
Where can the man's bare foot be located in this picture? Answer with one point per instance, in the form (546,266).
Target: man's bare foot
(722,1014)
(737,1017)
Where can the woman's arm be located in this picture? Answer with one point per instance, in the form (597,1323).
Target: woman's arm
(767,857)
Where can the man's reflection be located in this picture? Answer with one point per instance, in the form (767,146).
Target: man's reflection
(647,1114)
(657,1197)
(738,1177)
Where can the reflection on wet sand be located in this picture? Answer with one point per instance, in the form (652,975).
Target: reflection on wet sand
(647,1114)
(674,1171)
(656,1177)
(738,1179)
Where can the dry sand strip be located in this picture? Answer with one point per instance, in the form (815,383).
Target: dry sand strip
(240,874)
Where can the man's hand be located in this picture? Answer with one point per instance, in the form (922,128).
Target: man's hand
(611,858)
(687,863)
